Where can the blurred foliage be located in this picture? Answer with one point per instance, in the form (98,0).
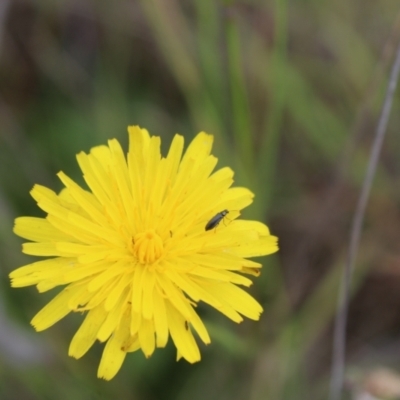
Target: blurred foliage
(291,90)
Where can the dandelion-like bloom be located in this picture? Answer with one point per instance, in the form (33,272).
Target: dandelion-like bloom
(133,252)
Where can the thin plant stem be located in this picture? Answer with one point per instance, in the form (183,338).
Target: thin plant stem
(339,340)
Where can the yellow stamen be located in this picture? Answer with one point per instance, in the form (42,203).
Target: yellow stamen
(147,247)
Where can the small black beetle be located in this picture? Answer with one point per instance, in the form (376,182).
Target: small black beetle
(214,221)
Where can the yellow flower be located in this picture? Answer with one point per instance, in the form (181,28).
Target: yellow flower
(133,251)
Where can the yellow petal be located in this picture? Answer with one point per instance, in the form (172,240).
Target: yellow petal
(236,298)
(199,326)
(136,322)
(198,149)
(183,338)
(31,274)
(200,292)
(113,355)
(138,141)
(146,337)
(137,289)
(38,230)
(48,284)
(220,261)
(235,199)
(198,194)
(111,272)
(77,271)
(222,276)
(174,295)
(117,291)
(160,319)
(113,318)
(87,332)
(148,297)
(80,298)
(91,179)
(42,249)
(55,310)
(262,247)
(75,233)
(39,192)
(75,249)
(101,154)
(123,188)
(85,199)
(153,162)
(131,344)
(224,177)
(246,225)
(174,157)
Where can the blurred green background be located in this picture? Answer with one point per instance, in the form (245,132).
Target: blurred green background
(292,91)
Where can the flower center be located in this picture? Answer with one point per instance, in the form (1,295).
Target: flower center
(147,247)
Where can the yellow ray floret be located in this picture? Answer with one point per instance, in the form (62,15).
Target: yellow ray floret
(131,250)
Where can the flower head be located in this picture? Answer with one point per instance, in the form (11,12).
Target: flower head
(133,251)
